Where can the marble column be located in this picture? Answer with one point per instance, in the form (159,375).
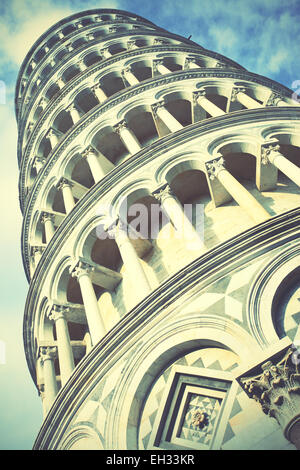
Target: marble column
(128,138)
(130,77)
(48,355)
(48,222)
(239,94)
(99,93)
(82,272)
(74,113)
(64,348)
(216,169)
(66,188)
(212,109)
(121,233)
(158,66)
(174,210)
(53,136)
(271,154)
(159,110)
(37,252)
(92,157)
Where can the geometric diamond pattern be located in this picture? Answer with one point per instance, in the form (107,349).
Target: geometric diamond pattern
(210,406)
(227,295)
(208,358)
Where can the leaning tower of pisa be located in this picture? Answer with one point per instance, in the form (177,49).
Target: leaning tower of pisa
(159,184)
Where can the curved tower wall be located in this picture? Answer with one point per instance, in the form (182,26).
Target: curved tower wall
(138,335)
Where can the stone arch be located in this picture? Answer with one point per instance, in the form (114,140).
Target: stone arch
(167,345)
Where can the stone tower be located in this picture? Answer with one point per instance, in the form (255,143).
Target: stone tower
(159,184)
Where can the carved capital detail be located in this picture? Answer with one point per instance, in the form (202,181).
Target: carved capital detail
(235,92)
(214,167)
(157,105)
(57,312)
(121,125)
(48,353)
(81,269)
(45,216)
(274,99)
(64,182)
(267,149)
(276,387)
(163,193)
(88,151)
(199,94)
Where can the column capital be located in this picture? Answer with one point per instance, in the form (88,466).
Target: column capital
(45,216)
(213,167)
(42,103)
(274,99)
(113,29)
(131,44)
(57,312)
(220,65)
(163,192)
(126,69)
(120,125)
(199,94)
(275,385)
(39,160)
(157,62)
(48,353)
(37,249)
(90,36)
(104,50)
(82,268)
(69,47)
(63,182)
(88,151)
(267,148)
(191,60)
(235,91)
(52,132)
(71,107)
(158,41)
(157,105)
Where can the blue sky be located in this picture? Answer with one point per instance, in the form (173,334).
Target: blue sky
(262,35)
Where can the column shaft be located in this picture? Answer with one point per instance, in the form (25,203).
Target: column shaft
(65,353)
(131,78)
(210,107)
(288,168)
(242,196)
(182,224)
(68,197)
(129,139)
(170,121)
(99,93)
(247,101)
(51,388)
(95,323)
(132,263)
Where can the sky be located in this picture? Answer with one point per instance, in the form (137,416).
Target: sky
(261,35)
